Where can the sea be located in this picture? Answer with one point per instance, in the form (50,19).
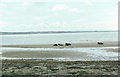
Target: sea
(26,39)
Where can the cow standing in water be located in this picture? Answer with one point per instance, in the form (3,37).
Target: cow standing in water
(67,44)
(100,43)
(55,44)
(60,44)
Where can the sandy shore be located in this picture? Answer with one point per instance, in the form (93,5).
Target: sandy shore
(87,55)
(45,54)
(54,67)
(74,45)
(113,50)
(61,52)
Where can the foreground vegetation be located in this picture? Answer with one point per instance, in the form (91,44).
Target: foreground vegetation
(54,67)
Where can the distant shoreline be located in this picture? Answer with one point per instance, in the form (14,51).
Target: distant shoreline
(49,32)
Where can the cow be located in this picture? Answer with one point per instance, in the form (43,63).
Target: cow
(60,44)
(67,44)
(100,43)
(55,44)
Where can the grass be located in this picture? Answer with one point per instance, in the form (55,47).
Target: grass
(52,67)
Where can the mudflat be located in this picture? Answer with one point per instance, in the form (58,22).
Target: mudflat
(73,45)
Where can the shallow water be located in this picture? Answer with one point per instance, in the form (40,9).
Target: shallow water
(98,53)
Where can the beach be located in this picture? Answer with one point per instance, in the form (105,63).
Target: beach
(86,51)
(77,59)
(74,45)
(31,56)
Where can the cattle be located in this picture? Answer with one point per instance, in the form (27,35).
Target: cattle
(100,43)
(60,44)
(67,44)
(55,44)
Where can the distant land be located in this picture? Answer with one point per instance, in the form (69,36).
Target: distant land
(46,32)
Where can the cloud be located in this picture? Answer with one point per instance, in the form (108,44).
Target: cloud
(39,18)
(112,13)
(88,2)
(58,7)
(2,5)
(73,9)
(59,0)
(108,24)
(79,20)
(26,3)
(2,23)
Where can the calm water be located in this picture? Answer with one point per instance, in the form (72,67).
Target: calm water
(92,51)
(55,38)
(94,54)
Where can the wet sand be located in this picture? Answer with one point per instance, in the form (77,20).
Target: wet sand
(63,54)
(74,45)
(55,67)
(45,54)
(113,49)
(70,54)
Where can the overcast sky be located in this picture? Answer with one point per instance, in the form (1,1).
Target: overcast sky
(74,15)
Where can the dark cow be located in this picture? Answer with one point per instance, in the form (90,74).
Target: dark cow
(67,44)
(60,44)
(55,44)
(100,43)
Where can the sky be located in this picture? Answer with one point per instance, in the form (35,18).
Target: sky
(58,15)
